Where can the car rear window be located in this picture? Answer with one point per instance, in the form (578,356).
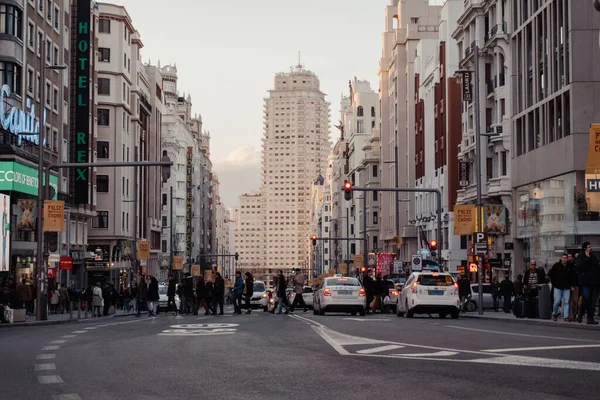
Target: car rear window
(390,284)
(342,282)
(436,280)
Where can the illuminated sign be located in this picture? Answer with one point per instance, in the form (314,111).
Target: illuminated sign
(81,139)
(189,200)
(22,178)
(19,122)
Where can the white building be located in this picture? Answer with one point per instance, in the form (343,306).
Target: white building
(222,220)
(437,135)
(406,23)
(294,152)
(248,232)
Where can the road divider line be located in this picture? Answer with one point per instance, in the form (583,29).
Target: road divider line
(380,349)
(68,336)
(574,346)
(520,334)
(79,332)
(45,367)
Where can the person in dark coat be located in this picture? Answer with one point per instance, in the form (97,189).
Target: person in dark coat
(574,296)
(533,277)
(464,291)
(210,293)
(248,291)
(281,294)
(369,286)
(219,293)
(188,293)
(588,272)
(495,290)
(507,289)
(518,284)
(153,297)
(201,296)
(560,277)
(171,292)
(142,295)
(238,292)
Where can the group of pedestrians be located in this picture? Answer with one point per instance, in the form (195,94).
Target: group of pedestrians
(208,294)
(376,290)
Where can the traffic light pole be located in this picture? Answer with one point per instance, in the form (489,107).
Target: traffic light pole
(406,190)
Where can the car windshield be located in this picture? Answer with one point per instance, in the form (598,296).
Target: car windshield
(436,280)
(342,282)
(163,289)
(259,287)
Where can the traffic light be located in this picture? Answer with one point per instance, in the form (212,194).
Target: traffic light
(237,256)
(347,190)
(433,247)
(165,169)
(314,239)
(363,269)
(293,270)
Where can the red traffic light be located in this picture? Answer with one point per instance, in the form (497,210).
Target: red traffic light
(433,244)
(314,237)
(347,185)
(363,269)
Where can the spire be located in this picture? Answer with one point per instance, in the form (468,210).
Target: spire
(159,63)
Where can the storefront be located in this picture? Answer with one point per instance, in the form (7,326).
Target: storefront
(19,189)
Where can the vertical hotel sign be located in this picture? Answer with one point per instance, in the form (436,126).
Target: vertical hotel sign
(82,101)
(188,205)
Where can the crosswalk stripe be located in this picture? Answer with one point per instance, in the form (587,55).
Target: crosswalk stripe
(379,349)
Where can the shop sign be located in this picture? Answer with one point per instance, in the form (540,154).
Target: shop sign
(467,86)
(5,233)
(17,177)
(21,123)
(189,201)
(81,141)
(51,273)
(66,263)
(196,270)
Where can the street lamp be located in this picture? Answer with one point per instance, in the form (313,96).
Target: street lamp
(41,312)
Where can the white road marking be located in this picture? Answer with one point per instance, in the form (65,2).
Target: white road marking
(57,341)
(49,379)
(45,367)
(436,354)
(380,349)
(69,336)
(520,334)
(46,356)
(539,362)
(91,327)
(79,331)
(574,346)
(48,348)
(71,396)
(203,326)
(366,319)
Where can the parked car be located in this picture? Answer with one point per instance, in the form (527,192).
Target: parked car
(488,302)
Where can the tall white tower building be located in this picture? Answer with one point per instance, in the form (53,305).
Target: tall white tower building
(294,154)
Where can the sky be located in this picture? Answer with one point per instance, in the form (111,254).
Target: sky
(227,53)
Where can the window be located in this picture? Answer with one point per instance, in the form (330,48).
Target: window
(30,34)
(359,111)
(375,218)
(103,117)
(125,60)
(101,220)
(164,221)
(373,111)
(102,183)
(49,11)
(30,78)
(48,90)
(56,17)
(164,199)
(11,20)
(122,219)
(41,6)
(56,56)
(164,246)
(103,54)
(414,20)
(55,99)
(375,170)
(103,149)
(124,91)
(375,196)
(104,25)
(48,51)
(40,40)
(10,75)
(360,127)
(104,86)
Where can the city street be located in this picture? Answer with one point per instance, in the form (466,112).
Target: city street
(264,356)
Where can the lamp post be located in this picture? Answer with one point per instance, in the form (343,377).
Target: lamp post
(41,312)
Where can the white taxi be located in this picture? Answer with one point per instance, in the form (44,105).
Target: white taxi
(340,294)
(427,293)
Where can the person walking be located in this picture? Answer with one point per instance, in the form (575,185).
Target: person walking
(369,286)
(153,297)
(299,281)
(171,291)
(507,290)
(560,278)
(587,274)
(534,277)
(24,294)
(188,292)
(210,294)
(238,290)
(464,291)
(142,295)
(281,295)
(98,300)
(248,291)
(495,289)
(201,295)
(219,293)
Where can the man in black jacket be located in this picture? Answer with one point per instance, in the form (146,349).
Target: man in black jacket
(171,291)
(507,289)
(534,276)
(560,277)
(369,285)
(219,293)
(188,293)
(588,272)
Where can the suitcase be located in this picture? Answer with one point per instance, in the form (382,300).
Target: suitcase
(519,307)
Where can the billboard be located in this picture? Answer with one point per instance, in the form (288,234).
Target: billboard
(5,233)
(189,201)
(494,219)
(26,215)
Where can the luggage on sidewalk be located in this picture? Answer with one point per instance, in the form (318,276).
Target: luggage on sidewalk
(519,307)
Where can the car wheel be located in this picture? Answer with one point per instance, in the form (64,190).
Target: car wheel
(362,312)
(454,314)
(398,312)
(409,313)
(321,311)
(442,315)
(265,308)
(315,312)
(471,306)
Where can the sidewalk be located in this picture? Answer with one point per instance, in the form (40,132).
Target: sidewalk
(54,319)
(509,317)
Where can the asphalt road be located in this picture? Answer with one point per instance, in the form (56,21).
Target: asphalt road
(264,356)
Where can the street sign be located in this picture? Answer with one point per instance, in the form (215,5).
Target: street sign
(424,252)
(53,257)
(481,237)
(417,263)
(481,242)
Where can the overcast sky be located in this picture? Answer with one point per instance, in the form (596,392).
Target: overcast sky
(227,53)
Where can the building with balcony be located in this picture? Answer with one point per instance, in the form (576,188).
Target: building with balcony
(406,24)
(556,201)
(437,102)
(486,26)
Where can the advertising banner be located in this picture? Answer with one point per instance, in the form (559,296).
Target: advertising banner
(465,218)
(126,250)
(177,263)
(494,218)
(5,233)
(196,270)
(385,263)
(189,201)
(143,250)
(54,216)
(26,215)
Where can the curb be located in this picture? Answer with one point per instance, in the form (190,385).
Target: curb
(38,323)
(526,321)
